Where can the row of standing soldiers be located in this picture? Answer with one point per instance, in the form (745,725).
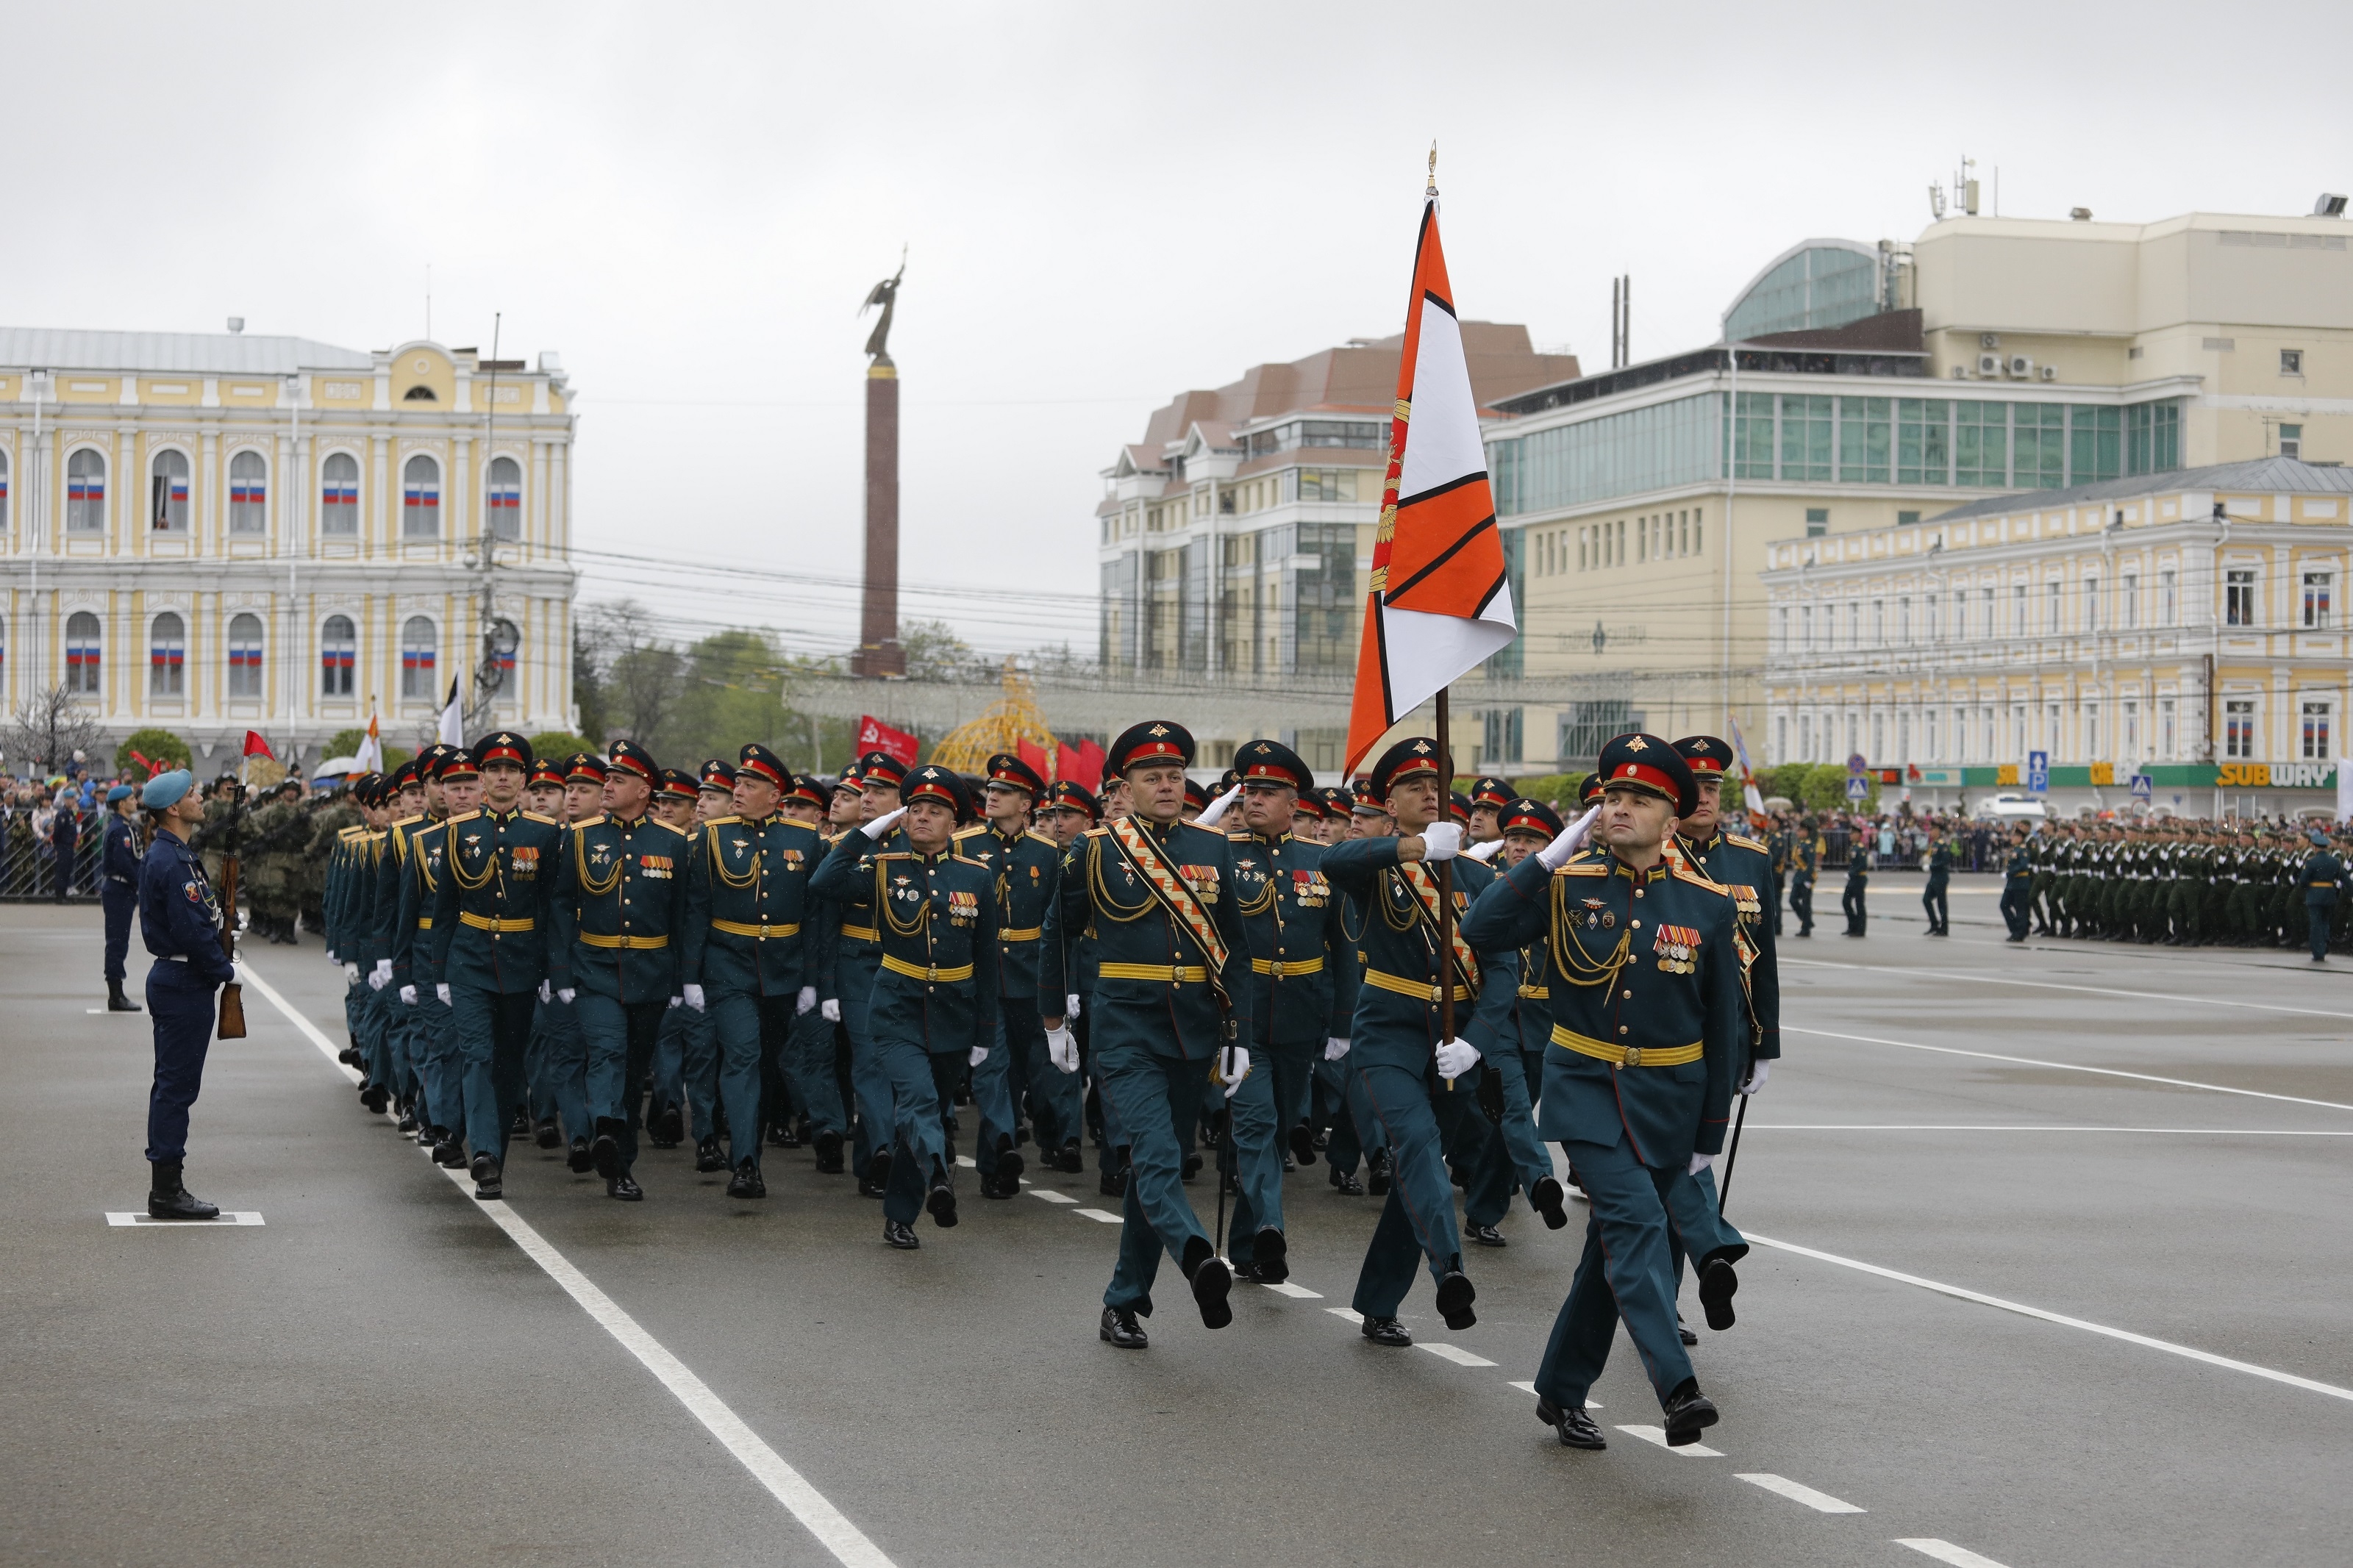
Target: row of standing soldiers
(2187,884)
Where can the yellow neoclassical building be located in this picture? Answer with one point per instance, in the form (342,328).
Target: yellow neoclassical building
(218,533)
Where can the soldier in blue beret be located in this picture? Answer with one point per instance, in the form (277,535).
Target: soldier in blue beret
(180,922)
(117,891)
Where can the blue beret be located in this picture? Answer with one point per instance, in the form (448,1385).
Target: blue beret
(119,793)
(165,789)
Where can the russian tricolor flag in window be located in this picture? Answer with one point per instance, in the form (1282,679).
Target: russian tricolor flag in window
(416,658)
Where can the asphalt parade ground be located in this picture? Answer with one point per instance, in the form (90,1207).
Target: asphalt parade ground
(2051,1266)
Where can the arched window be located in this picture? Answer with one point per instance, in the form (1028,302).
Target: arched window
(339,495)
(338,651)
(86,492)
(167,507)
(4,492)
(81,654)
(167,657)
(245,656)
(503,499)
(249,494)
(416,647)
(421,499)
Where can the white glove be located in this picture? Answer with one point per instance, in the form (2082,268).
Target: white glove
(805,1001)
(1440,840)
(442,993)
(979,1055)
(875,829)
(1233,1066)
(566,994)
(1555,854)
(352,973)
(409,996)
(1700,1162)
(1062,1049)
(1216,809)
(331,955)
(380,976)
(830,1009)
(1335,1047)
(1071,1005)
(1758,1071)
(1456,1057)
(1483,853)
(674,1002)
(692,996)
(546,990)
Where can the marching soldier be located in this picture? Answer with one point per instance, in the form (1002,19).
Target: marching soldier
(1173,979)
(1075,811)
(2321,878)
(180,922)
(556,1021)
(1028,866)
(419,795)
(495,942)
(697,1041)
(1398,1055)
(1516,1151)
(1646,984)
(933,1011)
(543,793)
(2018,885)
(1852,898)
(1488,800)
(812,1068)
(118,892)
(678,800)
(458,786)
(869,789)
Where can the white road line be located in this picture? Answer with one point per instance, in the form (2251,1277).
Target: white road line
(228,1217)
(1945,1552)
(1531,1388)
(1976,976)
(967,1161)
(1658,1434)
(1099,1215)
(832,1529)
(1350,1313)
(1051,1196)
(2023,1311)
(1976,1127)
(2066,1067)
(1296,1292)
(1821,1502)
(1456,1354)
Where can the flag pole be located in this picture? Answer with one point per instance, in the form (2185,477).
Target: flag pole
(1445,885)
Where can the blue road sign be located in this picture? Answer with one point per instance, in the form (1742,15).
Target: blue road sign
(2038,772)
(1858,787)
(2142,785)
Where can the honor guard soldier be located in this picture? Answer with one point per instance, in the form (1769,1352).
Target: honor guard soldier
(1489,798)
(678,800)
(457,787)
(1028,866)
(2321,878)
(1173,982)
(871,788)
(1307,817)
(933,1011)
(1075,810)
(334,901)
(619,891)
(181,924)
(543,793)
(1935,898)
(812,1067)
(698,1042)
(555,1021)
(118,892)
(1649,1030)
(495,943)
(1398,1052)
(418,791)
(362,897)
(747,893)
(2017,885)
(1517,1150)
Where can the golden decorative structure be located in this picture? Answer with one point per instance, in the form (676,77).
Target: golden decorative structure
(1011,718)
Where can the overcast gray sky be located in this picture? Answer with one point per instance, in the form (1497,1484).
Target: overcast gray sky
(1105,205)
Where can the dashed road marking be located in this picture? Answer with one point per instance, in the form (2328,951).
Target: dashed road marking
(1051,1196)
(1821,1502)
(1531,1388)
(1099,1215)
(1350,1313)
(1980,978)
(1296,1292)
(1455,1354)
(1980,1127)
(2065,1066)
(1658,1434)
(135,1220)
(1945,1552)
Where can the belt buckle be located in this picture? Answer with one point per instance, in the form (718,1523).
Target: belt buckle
(1434,994)
(932,973)
(1633,1056)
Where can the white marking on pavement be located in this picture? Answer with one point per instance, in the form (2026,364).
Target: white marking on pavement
(2065,1066)
(1296,1292)
(2026,1311)
(967,1161)
(1051,1196)
(1821,1502)
(109,1012)
(832,1529)
(1945,1552)
(1979,976)
(1531,1388)
(1975,1127)
(1658,1434)
(1098,1213)
(1456,1354)
(228,1217)
(1350,1313)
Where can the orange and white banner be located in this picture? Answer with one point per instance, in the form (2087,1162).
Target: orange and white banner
(1441,602)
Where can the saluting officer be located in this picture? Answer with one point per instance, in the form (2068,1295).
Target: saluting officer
(1649,1030)
(1028,866)
(619,902)
(1398,1055)
(495,944)
(118,892)
(1173,982)
(748,894)
(933,1011)
(869,789)
(180,924)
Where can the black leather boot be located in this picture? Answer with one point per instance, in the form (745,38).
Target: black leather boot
(166,1199)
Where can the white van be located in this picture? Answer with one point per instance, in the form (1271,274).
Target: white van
(2011,808)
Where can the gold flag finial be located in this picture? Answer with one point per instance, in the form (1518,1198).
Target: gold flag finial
(1432,189)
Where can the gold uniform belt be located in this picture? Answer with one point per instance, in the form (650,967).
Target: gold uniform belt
(1626,1056)
(863,934)
(625,942)
(1167,973)
(919,972)
(1280,967)
(424,922)
(1535,992)
(760,931)
(1420,990)
(484,922)
(1022,934)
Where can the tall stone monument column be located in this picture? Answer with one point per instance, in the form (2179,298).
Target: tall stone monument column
(879,653)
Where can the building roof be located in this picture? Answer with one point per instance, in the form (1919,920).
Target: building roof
(2269,475)
(185,354)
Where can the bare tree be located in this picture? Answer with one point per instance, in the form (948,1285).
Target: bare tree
(46,730)
(639,675)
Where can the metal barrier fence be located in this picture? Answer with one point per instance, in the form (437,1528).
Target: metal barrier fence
(28,869)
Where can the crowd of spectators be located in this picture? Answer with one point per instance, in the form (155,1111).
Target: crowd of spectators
(50,830)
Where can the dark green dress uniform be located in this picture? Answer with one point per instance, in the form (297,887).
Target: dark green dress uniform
(811,1069)
(1392,1072)
(1166,1000)
(1650,1027)
(1516,1152)
(856,960)
(1805,862)
(2017,888)
(748,894)
(433,1034)
(1028,869)
(935,998)
(2321,878)
(1935,898)
(494,942)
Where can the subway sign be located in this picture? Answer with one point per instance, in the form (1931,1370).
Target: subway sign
(2275,775)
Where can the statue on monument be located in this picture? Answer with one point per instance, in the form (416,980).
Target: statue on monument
(885,294)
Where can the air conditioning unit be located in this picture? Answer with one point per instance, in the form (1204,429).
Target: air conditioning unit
(2050,372)
(2021,366)
(1988,365)
(1960,373)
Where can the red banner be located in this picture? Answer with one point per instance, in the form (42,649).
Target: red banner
(255,746)
(1082,764)
(1034,754)
(873,735)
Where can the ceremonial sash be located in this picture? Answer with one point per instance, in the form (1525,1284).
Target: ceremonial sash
(1169,889)
(1417,876)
